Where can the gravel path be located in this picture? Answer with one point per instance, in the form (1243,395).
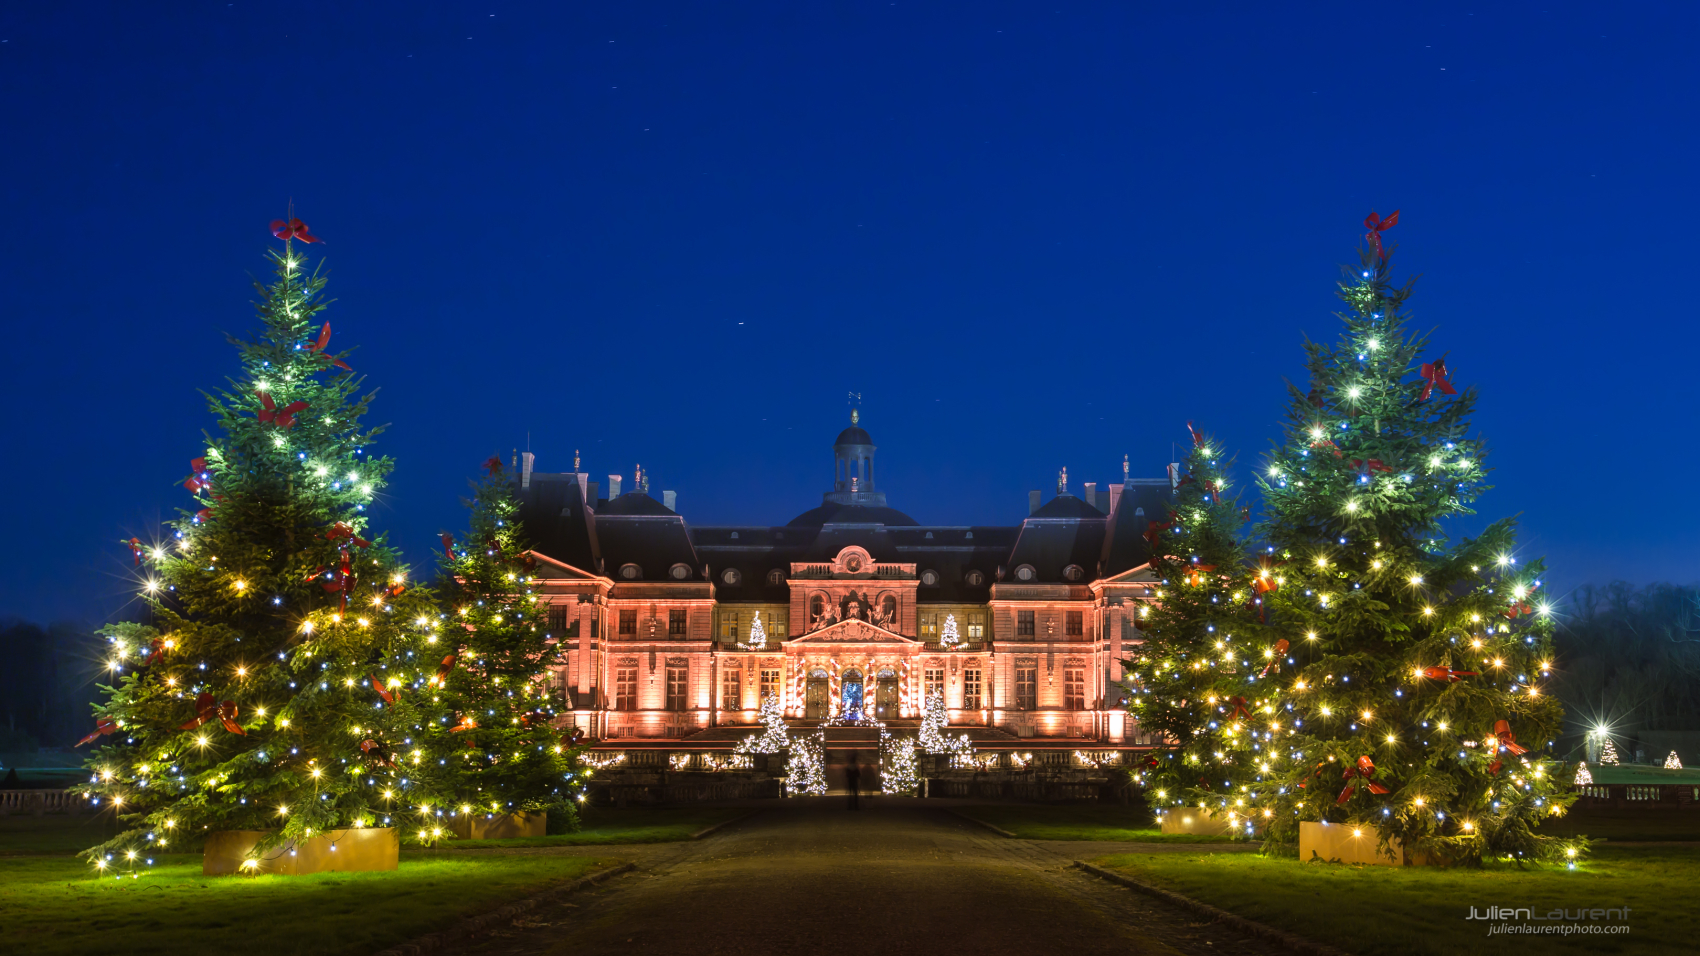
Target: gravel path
(899,877)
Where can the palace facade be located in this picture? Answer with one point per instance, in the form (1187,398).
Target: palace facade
(852,609)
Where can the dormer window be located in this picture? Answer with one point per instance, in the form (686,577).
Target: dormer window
(1025,573)
(930,578)
(775,577)
(679,572)
(1073,572)
(730,577)
(974,579)
(630,572)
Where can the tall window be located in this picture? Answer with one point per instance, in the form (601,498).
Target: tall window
(729,626)
(1074,688)
(557,618)
(929,626)
(1026,688)
(775,625)
(675,688)
(932,681)
(1075,623)
(976,625)
(1024,626)
(625,688)
(675,622)
(731,690)
(770,683)
(595,628)
(971,689)
(628,622)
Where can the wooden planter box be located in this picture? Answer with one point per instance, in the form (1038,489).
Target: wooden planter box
(1345,843)
(333,851)
(482,826)
(1194,820)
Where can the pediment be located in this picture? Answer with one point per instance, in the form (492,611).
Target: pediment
(852,632)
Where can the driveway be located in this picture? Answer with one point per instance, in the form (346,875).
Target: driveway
(899,877)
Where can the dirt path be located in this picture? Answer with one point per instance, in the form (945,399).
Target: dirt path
(896,878)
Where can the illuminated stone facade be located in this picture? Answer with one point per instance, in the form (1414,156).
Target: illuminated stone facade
(856,601)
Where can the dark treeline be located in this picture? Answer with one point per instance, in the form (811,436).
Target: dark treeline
(1629,658)
(48,678)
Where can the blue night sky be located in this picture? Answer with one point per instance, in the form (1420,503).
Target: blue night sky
(1032,235)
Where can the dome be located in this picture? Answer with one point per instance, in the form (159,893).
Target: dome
(854,435)
(835,513)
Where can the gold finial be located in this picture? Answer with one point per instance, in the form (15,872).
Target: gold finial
(575,459)
(1124,469)
(855,416)
(1062,481)
(851,398)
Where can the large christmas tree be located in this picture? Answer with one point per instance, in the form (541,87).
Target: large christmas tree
(1205,644)
(268,693)
(492,709)
(1416,707)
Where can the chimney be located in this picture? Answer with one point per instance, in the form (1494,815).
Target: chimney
(613,487)
(668,499)
(584,488)
(1116,496)
(1092,493)
(525,462)
(595,497)
(1174,475)
(1032,501)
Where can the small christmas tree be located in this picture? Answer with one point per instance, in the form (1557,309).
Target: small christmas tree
(776,738)
(271,691)
(758,635)
(1608,752)
(492,713)
(950,639)
(1583,777)
(933,722)
(805,770)
(1209,668)
(899,773)
(1673,762)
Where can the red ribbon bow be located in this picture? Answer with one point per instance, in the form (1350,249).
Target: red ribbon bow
(283,417)
(1374,464)
(462,723)
(448,546)
(1434,376)
(1507,739)
(493,465)
(1197,439)
(577,735)
(1263,585)
(1448,675)
(376,751)
(207,707)
(205,514)
(136,548)
(447,667)
(378,686)
(1280,652)
(324,340)
(1377,226)
(102,727)
(340,532)
(1239,710)
(293,229)
(1195,573)
(1363,770)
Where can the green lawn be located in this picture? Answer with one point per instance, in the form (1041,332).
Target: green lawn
(53,905)
(1394,911)
(1100,822)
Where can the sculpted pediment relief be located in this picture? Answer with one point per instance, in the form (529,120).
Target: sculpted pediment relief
(852,632)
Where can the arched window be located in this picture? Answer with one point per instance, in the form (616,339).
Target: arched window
(888,607)
(817,607)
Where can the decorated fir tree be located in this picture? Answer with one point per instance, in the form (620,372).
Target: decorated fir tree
(805,767)
(1206,648)
(758,635)
(1672,761)
(934,720)
(271,690)
(951,639)
(775,738)
(1583,777)
(899,770)
(1608,751)
(492,710)
(1416,707)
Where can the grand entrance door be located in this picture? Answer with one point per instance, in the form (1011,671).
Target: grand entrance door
(815,697)
(886,697)
(853,694)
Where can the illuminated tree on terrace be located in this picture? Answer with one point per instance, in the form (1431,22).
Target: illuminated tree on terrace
(1205,647)
(1416,706)
(490,718)
(265,693)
